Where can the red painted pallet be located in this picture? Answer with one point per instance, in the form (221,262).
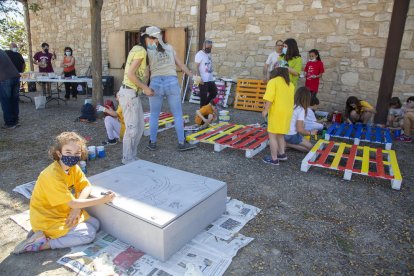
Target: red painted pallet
(354,159)
(251,139)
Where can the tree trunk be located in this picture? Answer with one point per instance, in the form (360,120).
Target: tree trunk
(29,33)
(96,8)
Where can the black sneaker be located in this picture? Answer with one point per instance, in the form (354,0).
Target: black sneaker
(152,146)
(110,142)
(282,157)
(268,159)
(186,146)
(9,127)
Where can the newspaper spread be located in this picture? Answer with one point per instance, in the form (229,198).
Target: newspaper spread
(25,189)
(210,252)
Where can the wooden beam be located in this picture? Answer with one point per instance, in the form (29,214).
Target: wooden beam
(202,24)
(392,53)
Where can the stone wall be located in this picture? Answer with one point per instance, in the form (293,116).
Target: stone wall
(351,36)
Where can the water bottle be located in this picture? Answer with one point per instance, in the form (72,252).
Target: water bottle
(83,166)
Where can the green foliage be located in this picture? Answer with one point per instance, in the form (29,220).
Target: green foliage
(13,31)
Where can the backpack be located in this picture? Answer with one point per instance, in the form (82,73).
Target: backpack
(87,113)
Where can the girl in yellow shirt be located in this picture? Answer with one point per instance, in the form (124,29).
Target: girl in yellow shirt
(59,196)
(358,111)
(278,98)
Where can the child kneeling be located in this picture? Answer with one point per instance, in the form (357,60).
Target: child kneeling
(207,113)
(294,138)
(59,196)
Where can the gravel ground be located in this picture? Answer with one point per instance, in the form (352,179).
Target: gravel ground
(311,223)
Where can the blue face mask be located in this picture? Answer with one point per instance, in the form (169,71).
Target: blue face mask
(70,161)
(152,46)
(284,50)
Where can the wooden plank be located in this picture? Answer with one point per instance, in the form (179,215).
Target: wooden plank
(380,163)
(326,151)
(338,156)
(351,158)
(365,160)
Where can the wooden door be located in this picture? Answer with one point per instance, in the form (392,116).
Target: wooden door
(116,57)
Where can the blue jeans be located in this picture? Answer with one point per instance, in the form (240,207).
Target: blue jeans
(166,86)
(9,98)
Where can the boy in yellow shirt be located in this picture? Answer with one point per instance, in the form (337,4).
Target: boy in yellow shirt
(207,113)
(60,194)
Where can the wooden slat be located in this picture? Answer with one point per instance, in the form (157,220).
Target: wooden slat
(380,163)
(365,160)
(338,156)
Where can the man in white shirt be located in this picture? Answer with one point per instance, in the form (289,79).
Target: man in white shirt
(204,65)
(271,61)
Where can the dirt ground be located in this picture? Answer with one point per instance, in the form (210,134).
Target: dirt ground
(311,223)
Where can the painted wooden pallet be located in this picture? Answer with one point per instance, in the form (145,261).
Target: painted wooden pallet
(165,121)
(249,95)
(360,132)
(251,139)
(354,159)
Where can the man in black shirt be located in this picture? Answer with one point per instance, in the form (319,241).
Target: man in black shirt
(16,57)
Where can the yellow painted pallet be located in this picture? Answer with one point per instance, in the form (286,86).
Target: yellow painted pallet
(249,95)
(354,159)
(165,122)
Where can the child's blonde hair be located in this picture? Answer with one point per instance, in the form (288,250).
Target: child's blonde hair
(65,138)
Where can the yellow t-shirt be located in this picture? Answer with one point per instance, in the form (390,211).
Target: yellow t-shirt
(205,111)
(121,121)
(365,105)
(53,190)
(137,52)
(281,95)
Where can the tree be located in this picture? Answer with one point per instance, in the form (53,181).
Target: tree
(11,7)
(96,8)
(13,31)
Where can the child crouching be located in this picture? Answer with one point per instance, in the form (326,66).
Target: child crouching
(60,194)
(207,113)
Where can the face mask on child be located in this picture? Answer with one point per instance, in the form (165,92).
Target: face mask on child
(284,50)
(14,49)
(152,46)
(68,54)
(312,59)
(70,161)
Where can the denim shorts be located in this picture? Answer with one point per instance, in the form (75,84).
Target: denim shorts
(294,139)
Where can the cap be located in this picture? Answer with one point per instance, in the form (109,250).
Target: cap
(153,31)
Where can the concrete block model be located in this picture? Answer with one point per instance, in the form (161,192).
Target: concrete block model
(157,209)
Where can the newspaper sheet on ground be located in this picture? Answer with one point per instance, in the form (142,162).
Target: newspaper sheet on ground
(25,189)
(23,219)
(234,219)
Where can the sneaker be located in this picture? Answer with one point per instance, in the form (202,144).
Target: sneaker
(268,159)
(282,157)
(110,142)
(405,138)
(186,146)
(152,146)
(31,244)
(9,127)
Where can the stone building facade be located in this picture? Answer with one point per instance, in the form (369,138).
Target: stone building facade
(351,36)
